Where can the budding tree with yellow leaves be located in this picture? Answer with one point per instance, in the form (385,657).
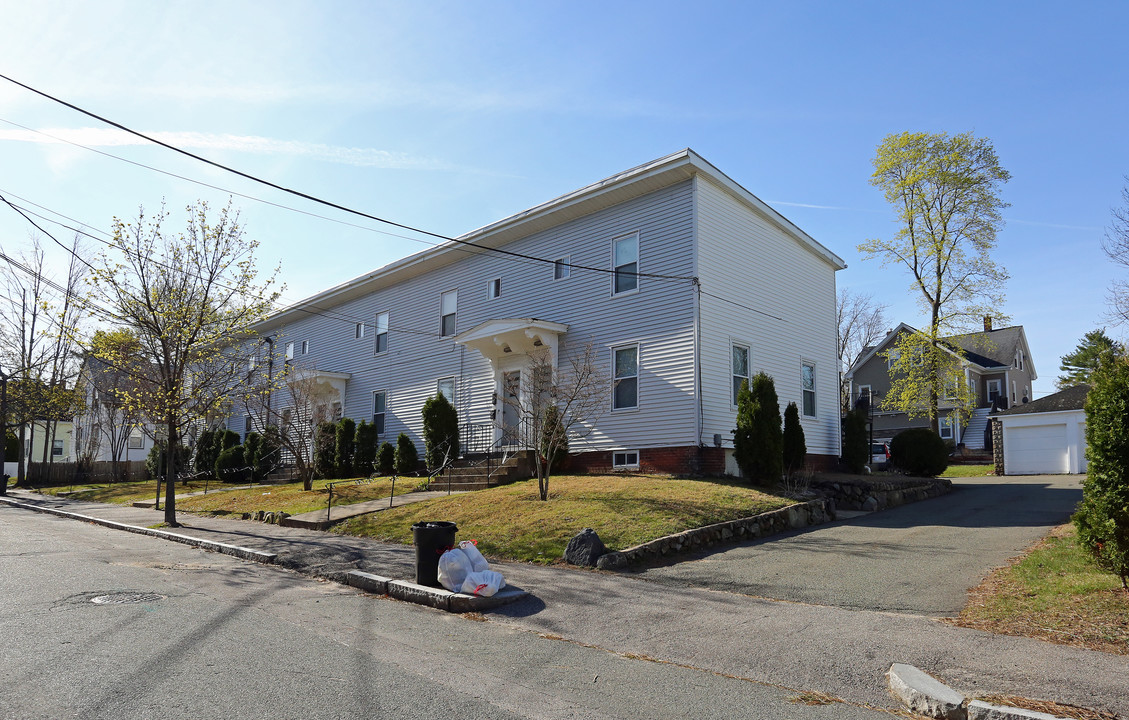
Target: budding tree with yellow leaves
(945,191)
(190,299)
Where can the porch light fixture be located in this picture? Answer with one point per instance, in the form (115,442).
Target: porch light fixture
(506,349)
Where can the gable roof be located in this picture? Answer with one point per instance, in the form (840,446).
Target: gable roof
(638,181)
(989,349)
(1072,398)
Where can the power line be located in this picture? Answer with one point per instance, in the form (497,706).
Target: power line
(315,199)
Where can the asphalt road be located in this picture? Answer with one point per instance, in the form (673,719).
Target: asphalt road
(919,558)
(216,637)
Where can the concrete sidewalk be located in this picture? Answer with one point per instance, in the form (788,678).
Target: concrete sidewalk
(835,650)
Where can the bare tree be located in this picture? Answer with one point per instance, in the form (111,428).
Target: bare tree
(558,406)
(861,322)
(1116,247)
(293,401)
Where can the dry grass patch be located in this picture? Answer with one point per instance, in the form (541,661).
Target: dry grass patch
(510,522)
(1053,593)
(291,498)
(122,493)
(1050,707)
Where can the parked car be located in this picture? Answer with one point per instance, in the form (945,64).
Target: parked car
(879,455)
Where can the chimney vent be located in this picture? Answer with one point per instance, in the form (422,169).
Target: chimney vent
(987,323)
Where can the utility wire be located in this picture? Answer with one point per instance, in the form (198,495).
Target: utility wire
(313,198)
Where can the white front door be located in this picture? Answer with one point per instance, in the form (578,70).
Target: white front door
(993,390)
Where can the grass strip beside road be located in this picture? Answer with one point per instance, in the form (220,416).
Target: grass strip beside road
(1053,593)
(123,493)
(510,522)
(291,498)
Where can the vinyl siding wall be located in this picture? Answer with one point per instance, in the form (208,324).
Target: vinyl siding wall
(745,258)
(659,317)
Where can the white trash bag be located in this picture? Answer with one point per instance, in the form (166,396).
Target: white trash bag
(478,563)
(484,583)
(454,565)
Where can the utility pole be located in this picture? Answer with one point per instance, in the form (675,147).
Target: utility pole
(4,428)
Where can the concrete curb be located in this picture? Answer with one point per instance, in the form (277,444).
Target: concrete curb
(233,550)
(926,695)
(440,598)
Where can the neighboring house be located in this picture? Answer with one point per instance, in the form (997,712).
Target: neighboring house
(1045,436)
(997,367)
(682,281)
(61,444)
(102,430)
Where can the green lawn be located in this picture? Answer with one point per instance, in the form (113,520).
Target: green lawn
(1054,593)
(959,471)
(122,493)
(291,498)
(510,522)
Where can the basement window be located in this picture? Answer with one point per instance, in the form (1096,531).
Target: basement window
(625,460)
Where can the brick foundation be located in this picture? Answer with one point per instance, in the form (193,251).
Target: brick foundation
(688,460)
(685,460)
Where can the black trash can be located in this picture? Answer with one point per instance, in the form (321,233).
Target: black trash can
(431,539)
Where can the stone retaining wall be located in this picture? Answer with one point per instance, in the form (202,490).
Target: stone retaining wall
(856,495)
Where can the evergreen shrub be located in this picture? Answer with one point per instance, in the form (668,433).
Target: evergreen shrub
(406,456)
(919,452)
(364,454)
(758,443)
(386,459)
(344,446)
(440,430)
(795,446)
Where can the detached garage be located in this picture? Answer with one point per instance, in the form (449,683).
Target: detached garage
(1046,436)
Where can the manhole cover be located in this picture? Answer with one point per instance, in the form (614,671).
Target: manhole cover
(125,598)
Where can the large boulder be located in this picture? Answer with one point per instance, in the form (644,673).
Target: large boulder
(585,549)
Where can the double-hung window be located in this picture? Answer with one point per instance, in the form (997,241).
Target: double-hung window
(289,351)
(381,342)
(56,448)
(379,409)
(446,388)
(807,377)
(135,441)
(448,312)
(562,268)
(740,368)
(626,378)
(626,252)
(945,425)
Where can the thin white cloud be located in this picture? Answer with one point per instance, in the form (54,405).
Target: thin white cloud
(1056,226)
(108,137)
(813,207)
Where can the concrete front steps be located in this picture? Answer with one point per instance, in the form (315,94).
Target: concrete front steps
(476,474)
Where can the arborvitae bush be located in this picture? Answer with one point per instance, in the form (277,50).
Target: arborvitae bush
(252,446)
(206,452)
(364,454)
(226,439)
(758,443)
(269,455)
(406,457)
(386,459)
(325,447)
(344,446)
(232,466)
(155,461)
(795,447)
(856,452)
(440,430)
(920,452)
(1102,519)
(11,448)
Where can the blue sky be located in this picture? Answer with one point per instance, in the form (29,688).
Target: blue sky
(451,115)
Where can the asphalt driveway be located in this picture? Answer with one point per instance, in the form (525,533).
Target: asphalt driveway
(919,558)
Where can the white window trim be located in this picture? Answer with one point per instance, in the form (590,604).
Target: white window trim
(638,366)
(455,330)
(384,413)
(814,390)
(566,261)
(454,387)
(638,265)
(625,465)
(989,384)
(748,361)
(944,423)
(869,393)
(494,289)
(376,334)
(305,347)
(140,442)
(289,351)
(359,331)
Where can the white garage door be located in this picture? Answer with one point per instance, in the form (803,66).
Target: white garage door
(1035,450)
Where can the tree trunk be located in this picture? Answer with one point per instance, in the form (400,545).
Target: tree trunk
(170,475)
(21,470)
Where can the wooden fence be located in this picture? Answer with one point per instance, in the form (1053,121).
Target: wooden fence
(68,473)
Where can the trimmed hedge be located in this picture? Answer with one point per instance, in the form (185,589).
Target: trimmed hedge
(919,452)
